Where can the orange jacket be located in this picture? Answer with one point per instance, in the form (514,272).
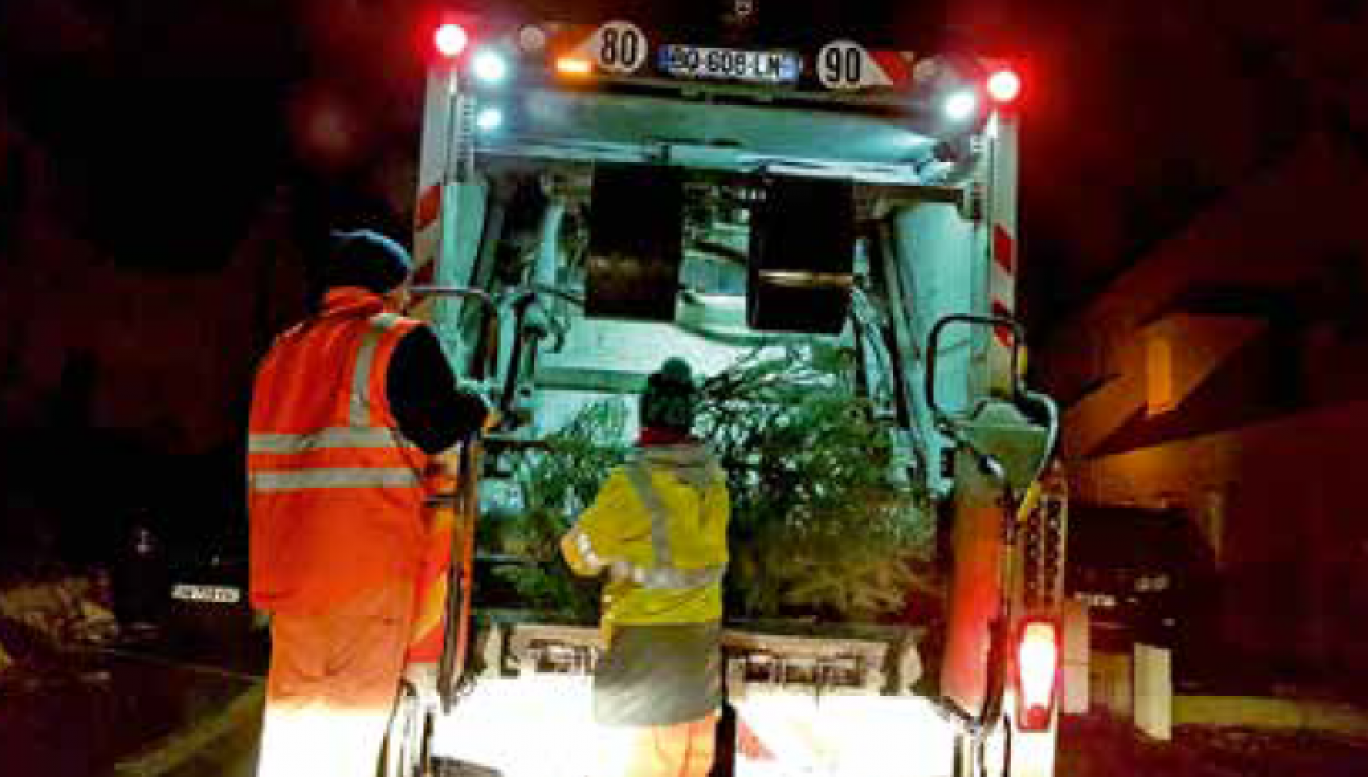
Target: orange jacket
(335,492)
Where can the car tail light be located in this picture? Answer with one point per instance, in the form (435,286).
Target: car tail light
(1037,666)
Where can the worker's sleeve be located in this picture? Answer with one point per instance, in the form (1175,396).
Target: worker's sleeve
(431,409)
(595,542)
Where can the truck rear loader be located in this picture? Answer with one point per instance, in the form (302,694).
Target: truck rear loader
(598,192)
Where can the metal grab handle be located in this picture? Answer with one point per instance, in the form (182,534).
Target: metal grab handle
(406,742)
(451,667)
(482,297)
(1051,411)
(1020,394)
(487,362)
(541,289)
(933,346)
(521,298)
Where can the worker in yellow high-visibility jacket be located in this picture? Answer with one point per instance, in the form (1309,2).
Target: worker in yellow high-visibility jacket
(658,530)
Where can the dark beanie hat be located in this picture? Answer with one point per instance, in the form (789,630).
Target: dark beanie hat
(670,398)
(367,259)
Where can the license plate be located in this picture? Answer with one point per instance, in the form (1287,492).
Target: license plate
(766,67)
(206,593)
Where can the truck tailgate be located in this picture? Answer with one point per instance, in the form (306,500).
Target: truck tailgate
(539,723)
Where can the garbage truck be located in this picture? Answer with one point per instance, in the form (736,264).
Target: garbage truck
(605,185)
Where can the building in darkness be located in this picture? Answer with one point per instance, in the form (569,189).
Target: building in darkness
(1225,375)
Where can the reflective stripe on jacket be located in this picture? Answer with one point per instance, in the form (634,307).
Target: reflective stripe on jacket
(658,528)
(334,490)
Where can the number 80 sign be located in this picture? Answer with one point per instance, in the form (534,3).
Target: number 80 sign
(619,47)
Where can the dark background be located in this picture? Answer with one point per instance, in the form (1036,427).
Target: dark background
(167,170)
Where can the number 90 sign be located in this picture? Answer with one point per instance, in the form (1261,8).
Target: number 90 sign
(619,47)
(843,64)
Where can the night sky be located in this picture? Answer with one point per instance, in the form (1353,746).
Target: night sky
(167,169)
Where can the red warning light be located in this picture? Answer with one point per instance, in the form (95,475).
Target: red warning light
(451,39)
(1004,86)
(1038,673)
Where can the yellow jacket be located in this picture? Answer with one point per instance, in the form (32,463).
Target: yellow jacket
(659,529)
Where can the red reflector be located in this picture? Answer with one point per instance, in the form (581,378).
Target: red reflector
(1004,86)
(451,39)
(1035,718)
(1037,672)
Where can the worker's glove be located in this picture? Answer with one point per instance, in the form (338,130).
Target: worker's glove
(423,679)
(492,418)
(481,392)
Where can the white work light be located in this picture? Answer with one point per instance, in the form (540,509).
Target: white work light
(489,119)
(451,39)
(960,105)
(489,66)
(1004,86)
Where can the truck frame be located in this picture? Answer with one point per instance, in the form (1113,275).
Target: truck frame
(596,194)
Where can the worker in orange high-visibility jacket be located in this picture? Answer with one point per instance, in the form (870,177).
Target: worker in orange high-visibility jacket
(351,411)
(658,530)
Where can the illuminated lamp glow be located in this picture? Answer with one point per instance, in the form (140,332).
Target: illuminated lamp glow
(451,39)
(843,736)
(1004,86)
(960,105)
(574,66)
(531,38)
(489,119)
(489,66)
(1038,668)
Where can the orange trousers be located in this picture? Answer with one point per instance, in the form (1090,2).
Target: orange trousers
(680,750)
(332,684)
